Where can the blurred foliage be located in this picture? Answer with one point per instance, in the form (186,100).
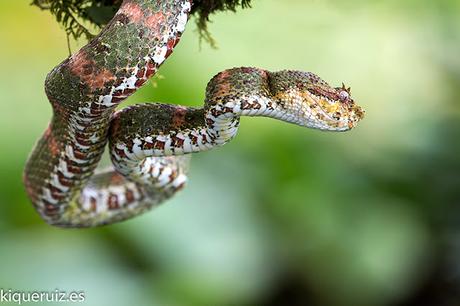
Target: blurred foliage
(281,215)
(204,8)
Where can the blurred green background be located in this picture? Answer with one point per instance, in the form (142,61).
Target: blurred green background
(368,217)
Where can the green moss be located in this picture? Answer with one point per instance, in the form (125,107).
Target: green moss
(71,13)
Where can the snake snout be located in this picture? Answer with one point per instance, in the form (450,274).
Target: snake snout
(355,114)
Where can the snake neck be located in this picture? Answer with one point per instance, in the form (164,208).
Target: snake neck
(222,119)
(234,93)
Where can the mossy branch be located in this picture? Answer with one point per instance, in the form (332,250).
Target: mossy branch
(71,13)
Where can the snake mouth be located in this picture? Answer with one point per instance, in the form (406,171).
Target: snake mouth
(356,114)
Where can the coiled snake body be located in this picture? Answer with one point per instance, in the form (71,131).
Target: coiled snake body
(149,142)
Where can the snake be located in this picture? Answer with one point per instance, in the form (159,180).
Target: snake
(150,144)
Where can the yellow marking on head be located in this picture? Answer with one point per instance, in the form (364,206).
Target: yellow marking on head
(330,108)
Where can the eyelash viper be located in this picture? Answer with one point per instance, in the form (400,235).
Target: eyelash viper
(149,143)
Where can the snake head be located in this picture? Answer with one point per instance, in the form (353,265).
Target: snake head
(310,101)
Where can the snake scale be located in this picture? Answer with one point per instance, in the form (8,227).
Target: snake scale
(149,143)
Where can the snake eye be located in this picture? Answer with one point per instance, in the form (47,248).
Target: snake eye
(344,95)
